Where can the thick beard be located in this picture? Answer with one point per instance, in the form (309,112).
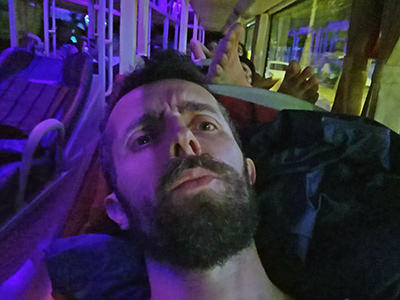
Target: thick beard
(203,230)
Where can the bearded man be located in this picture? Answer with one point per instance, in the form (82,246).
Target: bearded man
(182,187)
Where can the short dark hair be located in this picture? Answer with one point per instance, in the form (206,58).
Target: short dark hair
(244,51)
(250,64)
(168,64)
(213,36)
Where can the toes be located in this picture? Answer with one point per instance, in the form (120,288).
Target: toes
(313,82)
(224,48)
(302,81)
(291,71)
(195,47)
(310,84)
(233,37)
(293,68)
(212,71)
(311,90)
(311,96)
(219,70)
(307,72)
(224,60)
(235,32)
(229,46)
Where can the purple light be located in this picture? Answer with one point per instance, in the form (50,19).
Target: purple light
(16,284)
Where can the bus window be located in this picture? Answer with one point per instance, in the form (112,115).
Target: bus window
(313,32)
(249,38)
(29,20)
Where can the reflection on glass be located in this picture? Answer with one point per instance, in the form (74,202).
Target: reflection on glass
(249,39)
(313,32)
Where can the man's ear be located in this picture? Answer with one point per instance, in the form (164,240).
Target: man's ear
(115,211)
(251,168)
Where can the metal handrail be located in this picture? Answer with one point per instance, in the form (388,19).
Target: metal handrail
(32,144)
(109,44)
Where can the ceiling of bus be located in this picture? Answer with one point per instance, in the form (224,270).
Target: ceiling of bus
(214,15)
(258,7)
(217,15)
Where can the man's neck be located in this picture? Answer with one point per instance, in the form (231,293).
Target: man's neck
(241,277)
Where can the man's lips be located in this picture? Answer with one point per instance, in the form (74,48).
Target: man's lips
(193,177)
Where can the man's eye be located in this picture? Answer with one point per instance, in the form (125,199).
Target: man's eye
(143,140)
(207,126)
(140,142)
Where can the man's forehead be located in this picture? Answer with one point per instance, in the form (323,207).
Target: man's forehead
(158,96)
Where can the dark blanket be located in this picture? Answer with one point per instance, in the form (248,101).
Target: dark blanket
(329,190)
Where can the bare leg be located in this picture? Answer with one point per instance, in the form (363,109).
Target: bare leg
(300,84)
(225,67)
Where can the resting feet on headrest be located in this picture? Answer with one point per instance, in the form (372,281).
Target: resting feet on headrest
(300,84)
(225,67)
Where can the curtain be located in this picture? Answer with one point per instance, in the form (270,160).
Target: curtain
(383,101)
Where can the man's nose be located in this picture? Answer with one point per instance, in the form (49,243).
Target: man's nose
(186,144)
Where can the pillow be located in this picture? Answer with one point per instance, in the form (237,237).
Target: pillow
(97,267)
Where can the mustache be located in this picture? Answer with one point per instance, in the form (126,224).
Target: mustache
(175,167)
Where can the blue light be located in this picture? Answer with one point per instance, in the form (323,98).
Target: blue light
(73,39)
(81,26)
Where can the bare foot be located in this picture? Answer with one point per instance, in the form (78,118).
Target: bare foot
(197,50)
(225,67)
(300,84)
(263,83)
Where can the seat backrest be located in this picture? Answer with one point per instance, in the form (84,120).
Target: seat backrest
(43,69)
(77,74)
(46,89)
(13,61)
(23,103)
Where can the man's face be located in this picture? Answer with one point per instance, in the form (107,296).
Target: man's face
(180,170)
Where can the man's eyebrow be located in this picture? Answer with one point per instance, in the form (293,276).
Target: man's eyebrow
(150,118)
(194,106)
(145,120)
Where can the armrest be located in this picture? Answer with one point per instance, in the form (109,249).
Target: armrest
(34,139)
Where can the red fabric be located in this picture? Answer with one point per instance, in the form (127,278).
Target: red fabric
(244,113)
(265,114)
(241,112)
